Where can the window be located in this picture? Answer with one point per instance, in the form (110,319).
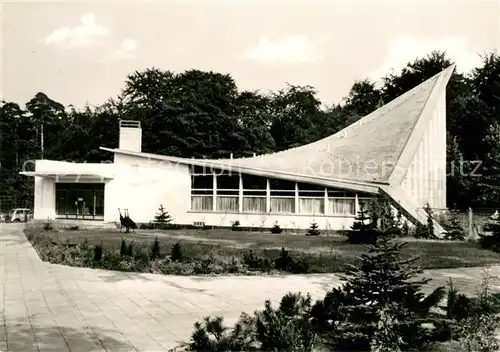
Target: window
(80,200)
(311,205)
(282,188)
(201,184)
(342,206)
(311,190)
(228,184)
(282,205)
(202,203)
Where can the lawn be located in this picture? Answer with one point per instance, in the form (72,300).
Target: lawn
(323,254)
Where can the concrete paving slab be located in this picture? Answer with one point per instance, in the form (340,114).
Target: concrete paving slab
(47,307)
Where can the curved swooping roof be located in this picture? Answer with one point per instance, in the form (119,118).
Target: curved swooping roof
(367,151)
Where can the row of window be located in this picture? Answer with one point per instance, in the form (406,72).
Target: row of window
(278,205)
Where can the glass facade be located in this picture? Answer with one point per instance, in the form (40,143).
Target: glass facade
(80,200)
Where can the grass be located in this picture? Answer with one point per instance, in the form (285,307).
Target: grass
(324,254)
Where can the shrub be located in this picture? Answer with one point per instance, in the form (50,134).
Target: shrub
(453,228)
(363,230)
(255,262)
(472,321)
(313,230)
(286,263)
(383,283)
(426,231)
(154,251)
(130,249)
(236,226)
(123,248)
(85,245)
(491,241)
(176,253)
(98,253)
(287,328)
(276,229)
(47,226)
(74,228)
(146,226)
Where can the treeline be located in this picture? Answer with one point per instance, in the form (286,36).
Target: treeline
(203,114)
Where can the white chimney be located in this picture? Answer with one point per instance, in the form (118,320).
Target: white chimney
(130,135)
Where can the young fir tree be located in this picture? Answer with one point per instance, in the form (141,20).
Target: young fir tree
(491,241)
(313,230)
(363,230)
(454,230)
(348,318)
(276,228)
(430,221)
(155,249)
(163,217)
(123,248)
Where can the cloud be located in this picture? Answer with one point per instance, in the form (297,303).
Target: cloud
(294,50)
(86,33)
(125,51)
(406,48)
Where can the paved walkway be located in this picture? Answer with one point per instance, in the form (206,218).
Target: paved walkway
(47,307)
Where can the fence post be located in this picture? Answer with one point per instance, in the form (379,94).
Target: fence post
(471,233)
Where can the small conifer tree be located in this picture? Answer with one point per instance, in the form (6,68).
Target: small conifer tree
(363,230)
(430,221)
(276,228)
(313,230)
(454,230)
(383,279)
(176,252)
(491,241)
(163,218)
(155,249)
(98,252)
(130,249)
(123,248)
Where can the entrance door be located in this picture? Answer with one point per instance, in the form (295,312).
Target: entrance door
(80,200)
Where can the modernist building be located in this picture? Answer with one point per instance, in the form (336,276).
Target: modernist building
(399,150)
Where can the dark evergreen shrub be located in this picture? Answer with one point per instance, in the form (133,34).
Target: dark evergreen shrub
(286,263)
(98,253)
(491,241)
(313,230)
(130,249)
(155,249)
(256,262)
(176,252)
(276,229)
(453,228)
(236,226)
(363,230)
(123,248)
(348,317)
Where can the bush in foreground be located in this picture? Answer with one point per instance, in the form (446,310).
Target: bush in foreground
(380,307)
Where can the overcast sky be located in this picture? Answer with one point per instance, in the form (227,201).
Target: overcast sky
(78,52)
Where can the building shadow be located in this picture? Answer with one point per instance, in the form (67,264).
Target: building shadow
(22,336)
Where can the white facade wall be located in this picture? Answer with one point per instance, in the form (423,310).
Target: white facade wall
(426,176)
(141,185)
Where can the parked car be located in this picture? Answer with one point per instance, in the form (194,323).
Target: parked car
(21,214)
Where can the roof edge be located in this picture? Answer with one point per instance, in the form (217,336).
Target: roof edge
(348,184)
(411,146)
